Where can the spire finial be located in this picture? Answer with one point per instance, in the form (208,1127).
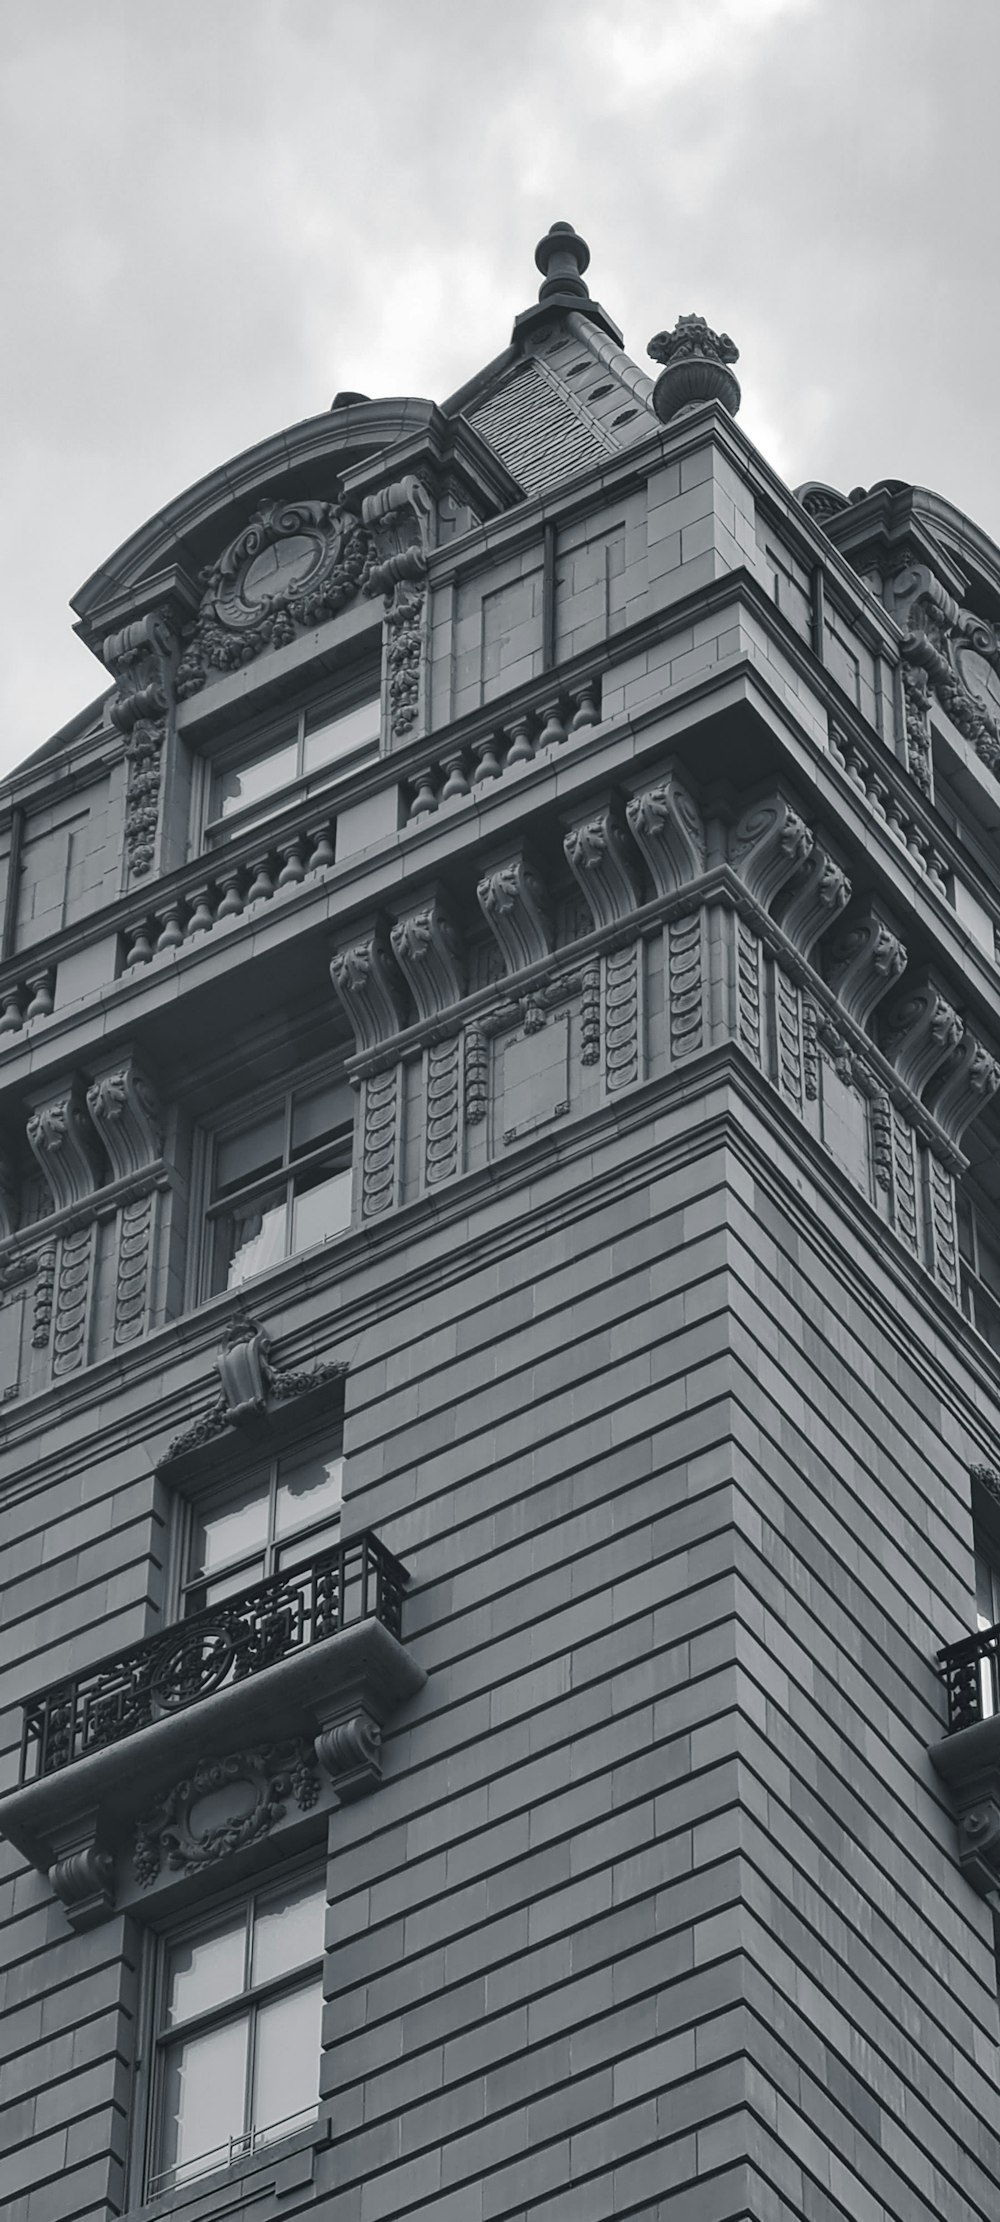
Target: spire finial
(562,257)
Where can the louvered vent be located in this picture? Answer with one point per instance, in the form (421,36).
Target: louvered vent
(535,431)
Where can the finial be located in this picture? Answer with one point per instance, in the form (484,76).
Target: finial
(696,360)
(562,257)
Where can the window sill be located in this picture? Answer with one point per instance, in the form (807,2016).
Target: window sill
(968,1763)
(290,2163)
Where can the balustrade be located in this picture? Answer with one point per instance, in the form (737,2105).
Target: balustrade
(970,1671)
(231,886)
(131,1689)
(464,768)
(862,768)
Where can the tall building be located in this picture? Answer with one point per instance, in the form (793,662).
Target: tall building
(499,1330)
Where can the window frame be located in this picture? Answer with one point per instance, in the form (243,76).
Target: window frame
(293,1453)
(293,724)
(150,2074)
(337,1151)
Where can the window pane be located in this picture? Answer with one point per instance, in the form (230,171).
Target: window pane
(252,1239)
(288,1930)
(244,1156)
(206,1970)
(245,783)
(307,1492)
(307,1547)
(332,737)
(204,2099)
(231,1530)
(320,1113)
(286,2067)
(321,1206)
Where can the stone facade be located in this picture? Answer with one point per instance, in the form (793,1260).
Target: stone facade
(534,806)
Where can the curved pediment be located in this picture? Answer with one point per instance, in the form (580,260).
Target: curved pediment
(166,561)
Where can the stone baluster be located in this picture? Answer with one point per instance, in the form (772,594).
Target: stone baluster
(141,940)
(171,923)
(231,898)
(488,765)
(520,748)
(261,886)
(12,1016)
(553,731)
(291,850)
(41,989)
(202,916)
(586,699)
(456,781)
(321,837)
(425,799)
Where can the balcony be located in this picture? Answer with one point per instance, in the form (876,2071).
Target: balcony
(968,1758)
(248,1721)
(129,1690)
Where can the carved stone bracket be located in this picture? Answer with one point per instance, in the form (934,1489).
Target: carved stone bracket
(864,960)
(769,843)
(82,1874)
(602,860)
(666,824)
(350,1753)
(512,900)
(427,947)
(143,661)
(63,1141)
(813,899)
(127,1116)
(921,1031)
(966,1087)
(969,1763)
(365,976)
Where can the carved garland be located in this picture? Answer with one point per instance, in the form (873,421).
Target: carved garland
(271,1777)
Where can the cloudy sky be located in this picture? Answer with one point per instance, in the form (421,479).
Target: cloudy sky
(218,212)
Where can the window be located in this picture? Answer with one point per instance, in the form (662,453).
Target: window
(237,2040)
(979,1250)
(284,1514)
(280,1183)
(313,741)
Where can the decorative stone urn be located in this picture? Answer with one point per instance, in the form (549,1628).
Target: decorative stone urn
(696,360)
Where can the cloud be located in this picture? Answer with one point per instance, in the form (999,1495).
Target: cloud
(221,214)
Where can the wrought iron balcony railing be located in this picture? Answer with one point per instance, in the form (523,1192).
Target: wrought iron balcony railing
(131,1689)
(970,1671)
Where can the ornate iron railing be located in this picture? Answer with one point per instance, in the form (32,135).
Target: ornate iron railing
(970,1671)
(130,1689)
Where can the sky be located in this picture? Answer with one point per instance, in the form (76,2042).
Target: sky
(220,212)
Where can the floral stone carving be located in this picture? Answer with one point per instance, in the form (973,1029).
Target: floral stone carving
(223,1806)
(399,519)
(294,565)
(251,1385)
(142,659)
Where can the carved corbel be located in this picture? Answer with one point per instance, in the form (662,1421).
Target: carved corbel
(815,897)
(400,520)
(512,900)
(83,1874)
(864,960)
(350,1753)
(921,1031)
(126,1114)
(365,976)
(666,824)
(769,843)
(64,1143)
(427,947)
(966,1087)
(602,861)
